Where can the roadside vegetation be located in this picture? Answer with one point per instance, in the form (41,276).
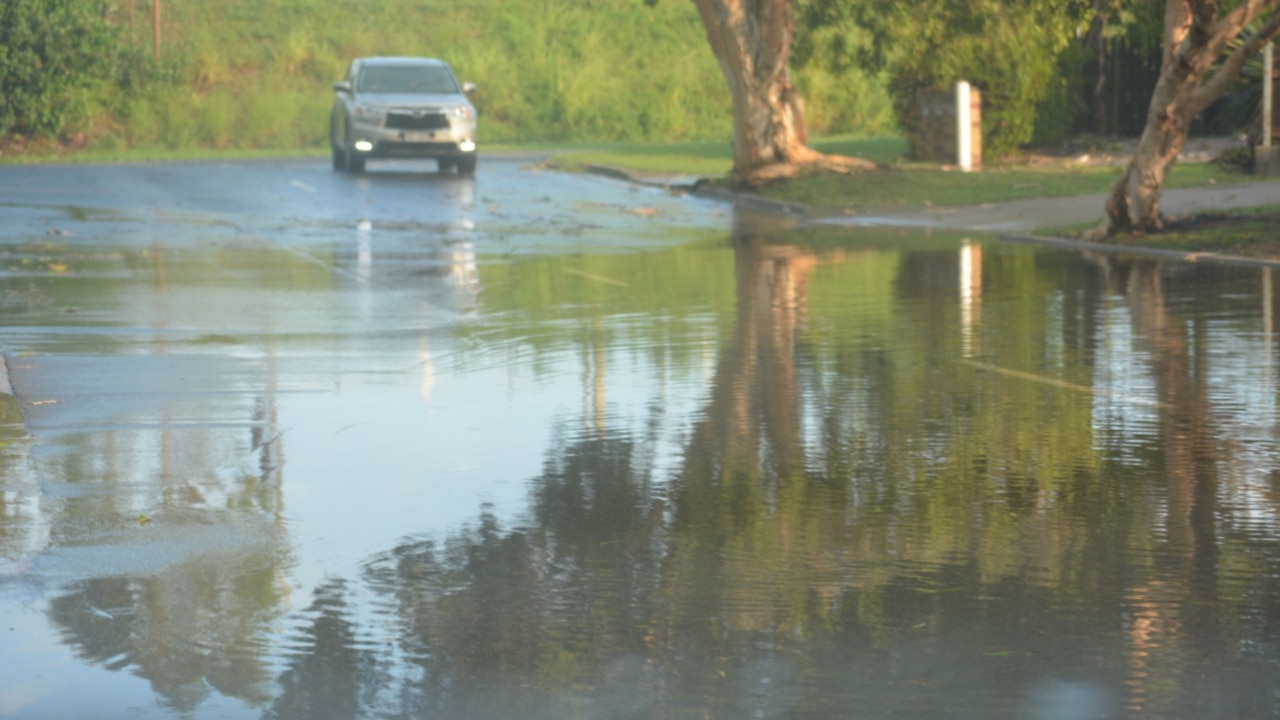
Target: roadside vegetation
(631,85)
(898,183)
(240,76)
(1245,232)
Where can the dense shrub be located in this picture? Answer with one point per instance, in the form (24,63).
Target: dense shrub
(1010,51)
(53,53)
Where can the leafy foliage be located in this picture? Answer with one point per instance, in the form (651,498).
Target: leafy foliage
(51,53)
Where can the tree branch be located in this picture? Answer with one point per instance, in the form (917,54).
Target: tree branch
(1216,86)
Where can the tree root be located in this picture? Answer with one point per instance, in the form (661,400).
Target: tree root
(803,162)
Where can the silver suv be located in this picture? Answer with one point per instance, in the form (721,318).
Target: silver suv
(402,107)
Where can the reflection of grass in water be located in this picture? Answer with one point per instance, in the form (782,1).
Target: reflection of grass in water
(216,339)
(869,238)
(73,212)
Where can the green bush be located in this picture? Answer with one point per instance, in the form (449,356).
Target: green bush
(1011,56)
(54,56)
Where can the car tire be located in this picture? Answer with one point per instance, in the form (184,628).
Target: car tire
(355,161)
(445,165)
(467,165)
(339,155)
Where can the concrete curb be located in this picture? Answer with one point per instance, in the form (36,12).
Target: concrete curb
(702,189)
(11,415)
(754,202)
(6,388)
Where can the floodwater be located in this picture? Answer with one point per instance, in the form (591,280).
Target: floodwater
(713,467)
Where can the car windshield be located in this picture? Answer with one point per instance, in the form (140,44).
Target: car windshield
(406,79)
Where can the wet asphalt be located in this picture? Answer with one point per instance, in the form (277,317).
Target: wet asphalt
(181,305)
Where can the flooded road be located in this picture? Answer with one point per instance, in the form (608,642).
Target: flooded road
(301,445)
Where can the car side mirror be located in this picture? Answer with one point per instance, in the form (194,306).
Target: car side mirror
(468,87)
(342,86)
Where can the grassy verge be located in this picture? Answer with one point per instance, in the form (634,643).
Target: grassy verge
(916,185)
(901,184)
(1248,232)
(709,159)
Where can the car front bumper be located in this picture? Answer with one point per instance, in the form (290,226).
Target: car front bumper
(375,141)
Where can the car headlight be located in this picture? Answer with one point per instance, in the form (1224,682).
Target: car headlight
(368,111)
(462,111)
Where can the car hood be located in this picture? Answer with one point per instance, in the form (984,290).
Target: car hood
(414,100)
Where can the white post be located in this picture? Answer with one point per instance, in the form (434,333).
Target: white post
(1268,81)
(964,127)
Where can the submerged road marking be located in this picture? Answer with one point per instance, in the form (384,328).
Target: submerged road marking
(597,278)
(333,268)
(1019,374)
(300,184)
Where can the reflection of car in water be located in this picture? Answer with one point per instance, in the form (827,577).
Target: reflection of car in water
(402,107)
(460,259)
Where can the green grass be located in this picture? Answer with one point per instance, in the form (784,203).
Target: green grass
(901,184)
(917,185)
(1249,232)
(709,159)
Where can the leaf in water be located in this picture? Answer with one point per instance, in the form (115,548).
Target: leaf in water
(143,519)
(57,267)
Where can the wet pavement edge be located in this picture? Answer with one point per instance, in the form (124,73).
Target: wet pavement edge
(12,421)
(799,210)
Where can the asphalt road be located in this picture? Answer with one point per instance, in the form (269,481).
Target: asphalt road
(510,202)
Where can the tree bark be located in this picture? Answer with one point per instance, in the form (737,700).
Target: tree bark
(1197,69)
(751,40)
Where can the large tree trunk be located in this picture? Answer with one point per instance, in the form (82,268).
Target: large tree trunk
(752,41)
(1197,34)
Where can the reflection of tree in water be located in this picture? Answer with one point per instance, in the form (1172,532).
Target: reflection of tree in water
(186,630)
(200,621)
(332,675)
(533,622)
(863,527)
(1178,615)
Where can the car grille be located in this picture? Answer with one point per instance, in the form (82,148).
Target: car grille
(402,120)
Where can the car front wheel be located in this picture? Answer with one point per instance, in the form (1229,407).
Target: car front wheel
(467,165)
(339,155)
(355,161)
